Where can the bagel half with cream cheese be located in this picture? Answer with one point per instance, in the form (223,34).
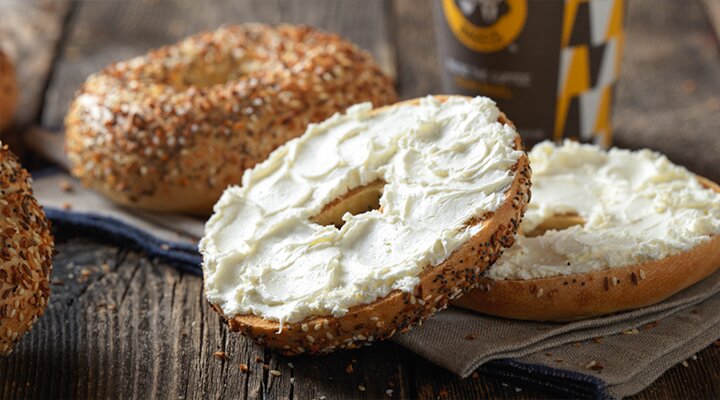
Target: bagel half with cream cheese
(367,224)
(170,130)
(25,256)
(605,232)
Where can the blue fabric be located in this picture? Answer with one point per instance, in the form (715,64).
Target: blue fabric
(186,258)
(182,256)
(552,380)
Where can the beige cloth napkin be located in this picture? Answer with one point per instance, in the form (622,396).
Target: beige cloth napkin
(627,351)
(554,356)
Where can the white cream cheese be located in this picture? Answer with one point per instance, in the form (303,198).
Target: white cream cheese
(443,163)
(637,207)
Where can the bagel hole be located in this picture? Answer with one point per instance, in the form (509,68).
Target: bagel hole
(213,68)
(356,201)
(556,223)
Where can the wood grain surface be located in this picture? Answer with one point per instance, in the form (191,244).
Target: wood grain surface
(120,325)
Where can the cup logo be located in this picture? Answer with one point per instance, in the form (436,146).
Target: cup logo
(485,25)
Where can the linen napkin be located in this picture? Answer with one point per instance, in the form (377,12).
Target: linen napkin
(606,357)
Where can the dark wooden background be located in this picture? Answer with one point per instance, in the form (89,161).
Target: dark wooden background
(120,325)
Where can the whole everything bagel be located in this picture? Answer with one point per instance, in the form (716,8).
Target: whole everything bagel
(606,232)
(8,91)
(367,224)
(168,131)
(26,254)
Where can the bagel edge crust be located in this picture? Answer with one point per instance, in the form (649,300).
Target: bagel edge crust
(26,254)
(179,151)
(579,296)
(401,311)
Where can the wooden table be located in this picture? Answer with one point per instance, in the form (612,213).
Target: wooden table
(121,325)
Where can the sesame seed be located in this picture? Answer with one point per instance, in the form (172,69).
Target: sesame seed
(275,372)
(304,327)
(361,388)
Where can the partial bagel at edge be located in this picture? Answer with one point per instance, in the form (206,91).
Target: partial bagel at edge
(25,256)
(601,292)
(8,91)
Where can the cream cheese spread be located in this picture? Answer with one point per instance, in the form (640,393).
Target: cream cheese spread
(637,206)
(442,164)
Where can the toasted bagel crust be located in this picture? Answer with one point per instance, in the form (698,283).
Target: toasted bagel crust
(400,311)
(25,256)
(579,296)
(170,130)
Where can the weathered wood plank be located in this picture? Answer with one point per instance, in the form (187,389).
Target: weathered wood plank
(699,380)
(668,95)
(417,60)
(103,32)
(712,9)
(119,325)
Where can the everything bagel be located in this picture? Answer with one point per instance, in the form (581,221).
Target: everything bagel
(605,232)
(168,131)
(367,224)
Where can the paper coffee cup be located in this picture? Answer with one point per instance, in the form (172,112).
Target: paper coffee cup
(551,65)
